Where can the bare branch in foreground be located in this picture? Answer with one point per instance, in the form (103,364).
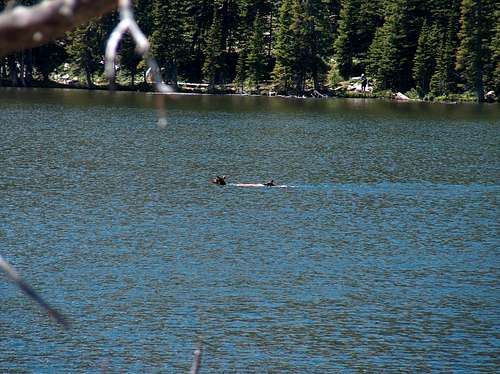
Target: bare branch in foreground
(29,27)
(196,359)
(128,24)
(28,290)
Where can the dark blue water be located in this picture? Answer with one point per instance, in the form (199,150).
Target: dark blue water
(381,255)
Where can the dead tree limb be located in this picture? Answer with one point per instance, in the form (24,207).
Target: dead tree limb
(29,27)
(28,290)
(196,359)
(128,24)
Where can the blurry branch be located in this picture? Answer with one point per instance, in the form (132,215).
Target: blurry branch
(128,24)
(28,290)
(28,27)
(196,359)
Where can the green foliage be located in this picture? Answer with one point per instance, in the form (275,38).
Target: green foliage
(437,47)
(241,70)
(284,49)
(390,55)
(256,54)
(495,53)
(334,77)
(85,49)
(346,38)
(473,54)
(413,94)
(382,57)
(359,20)
(300,46)
(424,62)
(213,52)
(168,42)
(43,65)
(444,78)
(129,59)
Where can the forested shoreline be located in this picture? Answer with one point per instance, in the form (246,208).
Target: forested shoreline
(432,49)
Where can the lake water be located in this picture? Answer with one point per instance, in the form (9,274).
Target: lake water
(381,255)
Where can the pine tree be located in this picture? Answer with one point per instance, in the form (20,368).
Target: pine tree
(424,62)
(213,52)
(343,46)
(302,43)
(391,53)
(473,54)
(244,33)
(300,53)
(495,53)
(383,62)
(284,50)
(359,20)
(85,49)
(47,58)
(317,39)
(168,42)
(256,53)
(444,80)
(241,69)
(129,59)
(198,22)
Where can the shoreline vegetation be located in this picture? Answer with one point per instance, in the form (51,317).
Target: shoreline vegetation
(446,51)
(347,90)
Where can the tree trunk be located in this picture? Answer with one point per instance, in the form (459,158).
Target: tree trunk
(11,62)
(88,77)
(269,47)
(479,84)
(315,80)
(2,70)
(172,76)
(28,70)
(478,45)
(22,70)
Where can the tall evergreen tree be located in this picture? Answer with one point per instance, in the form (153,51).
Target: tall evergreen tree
(391,53)
(495,53)
(213,52)
(344,49)
(215,40)
(359,20)
(424,62)
(300,30)
(129,59)
(168,42)
(199,20)
(256,52)
(444,79)
(241,70)
(47,58)
(301,44)
(284,50)
(317,37)
(85,50)
(473,53)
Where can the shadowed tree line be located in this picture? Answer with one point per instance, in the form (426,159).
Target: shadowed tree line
(436,47)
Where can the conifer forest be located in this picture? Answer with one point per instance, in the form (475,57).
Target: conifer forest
(432,48)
